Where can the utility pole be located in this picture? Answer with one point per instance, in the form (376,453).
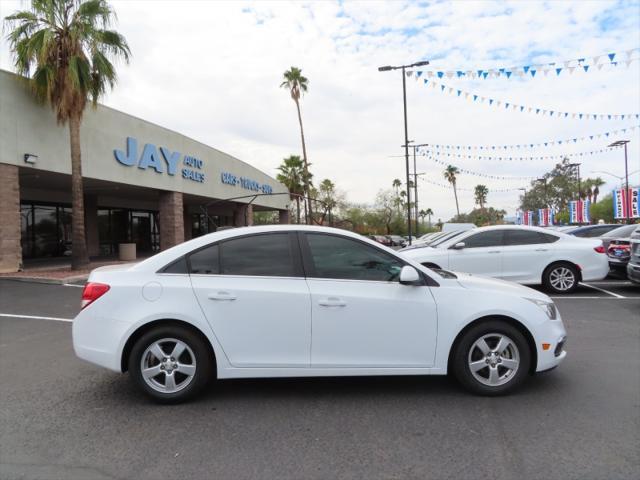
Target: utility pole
(406,130)
(415,175)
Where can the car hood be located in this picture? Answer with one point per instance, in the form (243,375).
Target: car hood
(492,284)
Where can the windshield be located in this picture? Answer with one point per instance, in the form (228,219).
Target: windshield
(447,237)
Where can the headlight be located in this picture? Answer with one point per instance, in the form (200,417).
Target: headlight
(548,307)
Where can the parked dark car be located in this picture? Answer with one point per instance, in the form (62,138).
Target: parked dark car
(589,231)
(382,239)
(396,240)
(619,249)
(621,233)
(633,267)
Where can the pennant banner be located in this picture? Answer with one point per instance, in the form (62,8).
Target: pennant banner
(555,69)
(626,201)
(524,217)
(545,217)
(461,189)
(579,211)
(510,106)
(525,146)
(425,151)
(479,174)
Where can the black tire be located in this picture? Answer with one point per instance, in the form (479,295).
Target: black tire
(204,363)
(465,349)
(550,277)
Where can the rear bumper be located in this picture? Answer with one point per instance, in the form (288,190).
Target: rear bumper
(596,270)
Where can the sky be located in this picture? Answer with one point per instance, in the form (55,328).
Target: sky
(212,71)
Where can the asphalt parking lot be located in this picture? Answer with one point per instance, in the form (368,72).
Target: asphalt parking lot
(62,418)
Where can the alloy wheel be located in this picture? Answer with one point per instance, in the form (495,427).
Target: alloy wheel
(562,279)
(494,359)
(168,365)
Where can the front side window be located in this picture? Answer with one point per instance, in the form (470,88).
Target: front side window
(345,259)
(492,238)
(259,255)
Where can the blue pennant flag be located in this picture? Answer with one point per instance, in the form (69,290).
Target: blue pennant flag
(580,60)
(501,70)
(622,117)
(575,140)
(440,74)
(607,134)
(580,116)
(558,70)
(590,137)
(537,110)
(551,113)
(560,142)
(485,74)
(506,105)
(460,73)
(586,68)
(566,114)
(526,68)
(479,73)
(533,73)
(611,56)
(459,92)
(545,143)
(490,101)
(442,87)
(475,97)
(426,80)
(595,116)
(508,74)
(637,115)
(419,73)
(521,108)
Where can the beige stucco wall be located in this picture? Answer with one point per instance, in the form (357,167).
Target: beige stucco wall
(28,127)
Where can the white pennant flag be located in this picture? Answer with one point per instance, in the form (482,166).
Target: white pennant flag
(629,53)
(515,107)
(469,72)
(571,69)
(498,103)
(450,90)
(544,112)
(482,99)
(546,71)
(430,74)
(529,109)
(627,63)
(466,94)
(566,64)
(600,66)
(449,74)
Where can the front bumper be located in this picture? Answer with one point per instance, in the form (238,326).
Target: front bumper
(554,334)
(633,272)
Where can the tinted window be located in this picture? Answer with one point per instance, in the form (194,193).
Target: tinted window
(447,236)
(594,232)
(205,261)
(527,237)
(343,258)
(178,266)
(492,238)
(621,232)
(261,255)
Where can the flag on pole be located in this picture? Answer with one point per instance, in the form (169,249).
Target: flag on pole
(545,217)
(624,201)
(579,211)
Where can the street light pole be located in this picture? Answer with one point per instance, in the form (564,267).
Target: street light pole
(406,130)
(627,199)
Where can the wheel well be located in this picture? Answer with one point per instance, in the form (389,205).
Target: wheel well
(131,341)
(511,321)
(431,265)
(560,262)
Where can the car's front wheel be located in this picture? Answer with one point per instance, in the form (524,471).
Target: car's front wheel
(491,358)
(170,363)
(560,278)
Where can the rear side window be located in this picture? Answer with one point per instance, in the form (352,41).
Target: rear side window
(492,238)
(527,237)
(206,261)
(259,255)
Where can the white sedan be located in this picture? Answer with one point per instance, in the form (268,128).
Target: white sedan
(296,301)
(527,255)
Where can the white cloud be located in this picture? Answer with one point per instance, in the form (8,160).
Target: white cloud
(212,70)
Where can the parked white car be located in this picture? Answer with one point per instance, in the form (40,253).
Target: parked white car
(527,255)
(297,301)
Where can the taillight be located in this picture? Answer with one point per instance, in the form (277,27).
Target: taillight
(599,249)
(93,291)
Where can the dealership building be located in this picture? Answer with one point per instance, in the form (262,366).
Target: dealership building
(143,184)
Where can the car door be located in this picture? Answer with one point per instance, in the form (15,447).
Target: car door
(481,254)
(526,253)
(254,295)
(361,315)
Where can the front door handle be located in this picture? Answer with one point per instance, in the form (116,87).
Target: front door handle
(222,296)
(542,249)
(332,302)
(494,251)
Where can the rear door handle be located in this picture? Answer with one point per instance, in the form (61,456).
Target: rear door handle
(222,296)
(542,249)
(494,251)
(332,302)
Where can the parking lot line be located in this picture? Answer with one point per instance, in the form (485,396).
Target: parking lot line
(34,317)
(602,290)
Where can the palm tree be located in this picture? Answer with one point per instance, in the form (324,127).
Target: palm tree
(450,175)
(480,193)
(396,187)
(422,214)
(291,176)
(297,84)
(596,184)
(65,49)
(429,212)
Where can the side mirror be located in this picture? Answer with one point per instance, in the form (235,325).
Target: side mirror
(458,246)
(410,276)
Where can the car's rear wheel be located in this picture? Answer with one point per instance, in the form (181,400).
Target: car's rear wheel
(560,278)
(492,358)
(170,363)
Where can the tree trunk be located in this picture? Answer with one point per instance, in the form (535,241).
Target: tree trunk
(455,194)
(79,254)
(306,167)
